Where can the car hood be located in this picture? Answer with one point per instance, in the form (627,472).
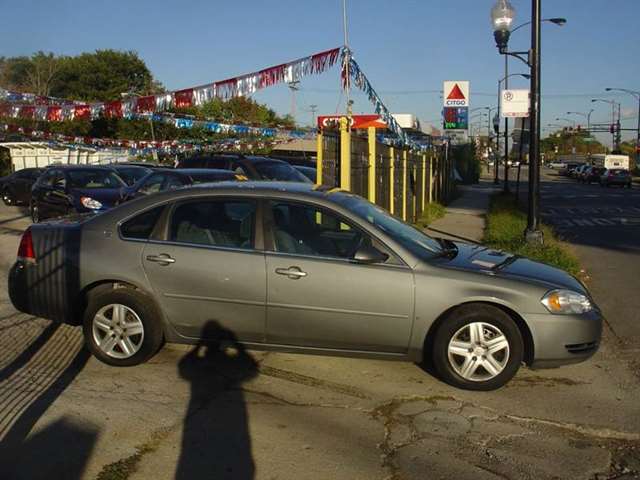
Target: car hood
(477,258)
(108,197)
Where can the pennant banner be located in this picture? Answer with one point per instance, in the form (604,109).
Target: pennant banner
(353,75)
(27,105)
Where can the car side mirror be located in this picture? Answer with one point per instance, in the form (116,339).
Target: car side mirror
(368,254)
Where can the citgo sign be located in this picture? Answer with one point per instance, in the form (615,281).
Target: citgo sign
(456,94)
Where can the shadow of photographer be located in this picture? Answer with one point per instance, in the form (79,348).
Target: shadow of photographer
(216,441)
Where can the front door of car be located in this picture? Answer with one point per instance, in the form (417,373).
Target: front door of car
(206,270)
(58,200)
(318,296)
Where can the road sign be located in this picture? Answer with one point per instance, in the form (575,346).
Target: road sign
(456,118)
(514,103)
(456,94)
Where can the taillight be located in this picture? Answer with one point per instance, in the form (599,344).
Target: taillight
(26,252)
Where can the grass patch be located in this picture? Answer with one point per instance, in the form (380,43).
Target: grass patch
(432,212)
(505,226)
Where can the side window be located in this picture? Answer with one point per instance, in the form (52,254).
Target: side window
(221,223)
(47,178)
(141,226)
(173,182)
(60,181)
(153,184)
(217,162)
(308,230)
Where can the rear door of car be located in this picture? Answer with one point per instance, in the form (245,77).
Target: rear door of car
(319,297)
(208,269)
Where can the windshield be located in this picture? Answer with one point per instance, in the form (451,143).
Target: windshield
(131,174)
(94,179)
(414,240)
(280,172)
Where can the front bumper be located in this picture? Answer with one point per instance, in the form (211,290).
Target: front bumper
(564,339)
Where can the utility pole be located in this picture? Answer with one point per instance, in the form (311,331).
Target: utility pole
(313,109)
(294,86)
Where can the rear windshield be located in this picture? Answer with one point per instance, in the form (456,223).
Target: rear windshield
(93,179)
(280,172)
(212,177)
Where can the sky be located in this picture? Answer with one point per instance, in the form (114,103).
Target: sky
(407,48)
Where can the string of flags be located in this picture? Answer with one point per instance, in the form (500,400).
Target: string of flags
(137,147)
(353,75)
(29,106)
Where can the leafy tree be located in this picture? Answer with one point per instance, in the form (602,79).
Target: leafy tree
(103,76)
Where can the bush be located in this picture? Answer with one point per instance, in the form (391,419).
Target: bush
(505,226)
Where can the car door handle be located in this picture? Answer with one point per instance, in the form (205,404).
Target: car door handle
(294,273)
(162,259)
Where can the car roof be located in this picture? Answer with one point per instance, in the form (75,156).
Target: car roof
(66,166)
(203,171)
(257,159)
(127,165)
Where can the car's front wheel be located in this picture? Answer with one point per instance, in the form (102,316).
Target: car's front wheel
(478,347)
(7,198)
(35,212)
(121,327)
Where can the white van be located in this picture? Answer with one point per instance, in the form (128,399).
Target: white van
(610,161)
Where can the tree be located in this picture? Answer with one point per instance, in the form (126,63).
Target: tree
(42,73)
(103,76)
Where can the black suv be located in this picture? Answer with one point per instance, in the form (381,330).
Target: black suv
(252,167)
(16,188)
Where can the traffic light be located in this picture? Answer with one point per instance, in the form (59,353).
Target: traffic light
(579,128)
(612,128)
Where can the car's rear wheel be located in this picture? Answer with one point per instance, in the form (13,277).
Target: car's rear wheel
(478,347)
(121,327)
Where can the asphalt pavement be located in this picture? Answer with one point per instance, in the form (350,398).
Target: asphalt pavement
(193,413)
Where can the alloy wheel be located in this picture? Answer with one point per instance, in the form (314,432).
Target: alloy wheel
(478,351)
(117,331)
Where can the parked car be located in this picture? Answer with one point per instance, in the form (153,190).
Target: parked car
(556,165)
(577,172)
(309,172)
(159,180)
(616,176)
(330,272)
(253,167)
(16,188)
(62,190)
(130,173)
(591,174)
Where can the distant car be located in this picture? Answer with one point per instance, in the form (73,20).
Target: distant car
(309,172)
(252,167)
(579,171)
(591,174)
(130,173)
(556,165)
(16,188)
(162,179)
(569,169)
(63,190)
(616,176)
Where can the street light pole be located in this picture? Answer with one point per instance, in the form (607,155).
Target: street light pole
(533,233)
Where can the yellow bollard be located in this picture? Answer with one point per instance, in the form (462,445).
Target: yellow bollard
(345,154)
(392,169)
(404,185)
(371,131)
(319,155)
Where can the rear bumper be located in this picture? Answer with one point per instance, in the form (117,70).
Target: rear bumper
(564,339)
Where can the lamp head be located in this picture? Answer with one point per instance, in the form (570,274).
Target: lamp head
(559,21)
(502,16)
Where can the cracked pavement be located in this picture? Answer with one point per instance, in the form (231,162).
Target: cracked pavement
(209,413)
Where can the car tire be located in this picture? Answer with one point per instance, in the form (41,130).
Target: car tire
(108,317)
(451,357)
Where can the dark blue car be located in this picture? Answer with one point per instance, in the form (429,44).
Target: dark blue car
(63,190)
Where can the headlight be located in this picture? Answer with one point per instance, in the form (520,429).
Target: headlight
(88,202)
(566,302)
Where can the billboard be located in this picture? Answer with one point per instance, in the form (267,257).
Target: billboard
(357,121)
